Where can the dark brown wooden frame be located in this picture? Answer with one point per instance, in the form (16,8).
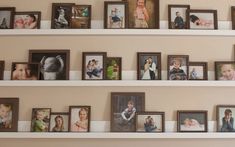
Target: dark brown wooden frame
(12,10)
(84,54)
(205,69)
(15,113)
(38,13)
(79,107)
(177,56)
(120,67)
(214,12)
(158,65)
(62,51)
(33,115)
(59,113)
(2,68)
(113,94)
(106,3)
(217,63)
(152,113)
(179,112)
(89,19)
(233,17)
(177,6)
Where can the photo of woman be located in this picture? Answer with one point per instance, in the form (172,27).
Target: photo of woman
(59,122)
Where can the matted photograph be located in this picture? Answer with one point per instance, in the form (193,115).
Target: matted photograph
(81,17)
(6,17)
(124,106)
(59,122)
(225,118)
(114,68)
(233,17)
(93,65)
(54,64)
(115,14)
(192,121)
(9,108)
(80,117)
(225,70)
(198,71)
(2,68)
(177,67)
(177,16)
(202,19)
(150,122)
(149,66)
(40,121)
(27,20)
(143,14)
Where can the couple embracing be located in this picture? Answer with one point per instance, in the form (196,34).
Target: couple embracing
(149,69)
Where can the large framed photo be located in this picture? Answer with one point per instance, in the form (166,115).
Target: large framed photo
(143,14)
(202,19)
(54,64)
(177,67)
(9,108)
(59,122)
(115,14)
(40,121)
(149,66)
(79,118)
(192,121)
(225,118)
(123,110)
(93,65)
(2,68)
(113,68)
(81,17)
(198,71)
(6,17)
(27,20)
(233,17)
(225,70)
(151,122)
(177,17)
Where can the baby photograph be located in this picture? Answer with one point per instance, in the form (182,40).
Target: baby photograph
(178,67)
(225,118)
(202,20)
(178,17)
(81,16)
(27,20)
(25,71)
(40,121)
(196,72)
(59,122)
(224,71)
(5,116)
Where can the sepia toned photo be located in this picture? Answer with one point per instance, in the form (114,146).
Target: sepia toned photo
(27,20)
(2,68)
(59,122)
(81,17)
(198,71)
(225,118)
(113,68)
(225,71)
(40,121)
(6,17)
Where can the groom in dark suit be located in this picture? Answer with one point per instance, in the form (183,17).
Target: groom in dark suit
(152,68)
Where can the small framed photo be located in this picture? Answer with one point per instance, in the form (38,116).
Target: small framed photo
(59,122)
(80,117)
(143,14)
(115,14)
(6,17)
(149,66)
(93,65)
(150,122)
(27,20)
(177,17)
(81,17)
(192,121)
(124,106)
(225,70)
(40,121)
(225,118)
(114,68)
(233,17)
(198,71)
(9,108)
(202,19)
(2,68)
(54,64)
(25,71)
(61,15)
(177,67)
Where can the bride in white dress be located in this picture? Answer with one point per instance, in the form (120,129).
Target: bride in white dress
(146,75)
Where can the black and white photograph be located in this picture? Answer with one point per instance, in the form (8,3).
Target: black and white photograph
(6,17)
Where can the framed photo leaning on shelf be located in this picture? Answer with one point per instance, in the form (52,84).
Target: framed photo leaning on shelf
(40,121)
(2,68)
(114,68)
(233,17)
(225,118)
(225,70)
(27,20)
(59,122)
(6,17)
(81,17)
(198,71)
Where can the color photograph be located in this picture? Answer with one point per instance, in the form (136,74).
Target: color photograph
(198,71)
(27,20)
(81,17)
(25,71)
(59,122)
(40,121)
(225,71)
(225,118)
(114,68)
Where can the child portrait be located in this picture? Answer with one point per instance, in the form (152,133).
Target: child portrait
(27,20)
(59,122)
(198,71)
(24,71)
(225,71)
(40,121)
(2,68)
(6,17)
(225,118)
(81,17)
(114,68)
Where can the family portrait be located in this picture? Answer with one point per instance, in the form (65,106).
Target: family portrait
(81,17)
(225,118)
(225,71)
(113,68)
(40,121)
(27,20)
(24,71)
(59,122)
(2,68)
(6,17)
(198,71)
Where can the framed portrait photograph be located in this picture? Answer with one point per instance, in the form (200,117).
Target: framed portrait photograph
(192,121)
(177,67)
(150,122)
(27,20)
(80,117)
(225,70)
(54,64)
(198,71)
(202,19)
(2,68)
(81,17)
(25,71)
(124,106)
(61,15)
(6,17)
(9,108)
(149,66)
(115,14)
(143,14)
(233,17)
(225,118)
(177,16)
(114,68)
(59,122)
(93,65)
(40,121)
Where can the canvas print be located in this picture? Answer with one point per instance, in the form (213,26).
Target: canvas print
(59,122)
(114,68)
(81,17)
(224,71)
(198,71)
(27,20)
(2,68)
(24,71)
(6,17)
(225,118)
(123,110)
(40,121)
